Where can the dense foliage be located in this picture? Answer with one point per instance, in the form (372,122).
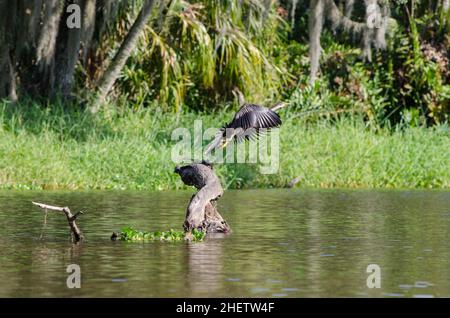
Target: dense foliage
(196,53)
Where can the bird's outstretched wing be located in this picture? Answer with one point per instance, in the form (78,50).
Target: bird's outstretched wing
(248,123)
(252,120)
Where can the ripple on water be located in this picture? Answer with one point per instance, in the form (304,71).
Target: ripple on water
(423,296)
(273,281)
(290,289)
(405,286)
(393,295)
(418,284)
(327,255)
(422,284)
(259,290)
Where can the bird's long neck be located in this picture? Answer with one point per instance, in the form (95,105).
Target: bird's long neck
(278,106)
(240,96)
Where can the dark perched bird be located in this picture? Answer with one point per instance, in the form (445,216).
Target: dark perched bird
(250,121)
(199,175)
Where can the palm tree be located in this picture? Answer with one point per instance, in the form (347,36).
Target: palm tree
(111,74)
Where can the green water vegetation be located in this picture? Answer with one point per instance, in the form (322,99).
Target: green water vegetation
(132,235)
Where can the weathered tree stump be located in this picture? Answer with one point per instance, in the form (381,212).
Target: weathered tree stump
(201,213)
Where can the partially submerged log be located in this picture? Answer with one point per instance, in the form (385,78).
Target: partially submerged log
(201,213)
(77,236)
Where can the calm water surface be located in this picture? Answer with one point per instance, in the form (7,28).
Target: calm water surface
(286,243)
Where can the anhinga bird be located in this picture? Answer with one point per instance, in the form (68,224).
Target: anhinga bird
(250,121)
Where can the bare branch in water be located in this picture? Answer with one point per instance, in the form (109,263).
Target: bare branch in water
(77,236)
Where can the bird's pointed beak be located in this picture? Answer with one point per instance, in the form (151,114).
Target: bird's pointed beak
(224,144)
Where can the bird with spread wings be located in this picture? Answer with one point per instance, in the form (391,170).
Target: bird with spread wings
(248,123)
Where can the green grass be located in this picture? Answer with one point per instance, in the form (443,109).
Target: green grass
(64,148)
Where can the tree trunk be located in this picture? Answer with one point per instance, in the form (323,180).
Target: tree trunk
(316,17)
(49,31)
(66,56)
(111,74)
(8,11)
(7,75)
(89,10)
(201,212)
(43,76)
(349,8)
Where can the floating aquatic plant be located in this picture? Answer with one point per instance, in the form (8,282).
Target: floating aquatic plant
(131,234)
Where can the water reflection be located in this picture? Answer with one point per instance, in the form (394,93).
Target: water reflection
(205,266)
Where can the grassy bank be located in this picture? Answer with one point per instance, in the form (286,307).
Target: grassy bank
(57,148)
